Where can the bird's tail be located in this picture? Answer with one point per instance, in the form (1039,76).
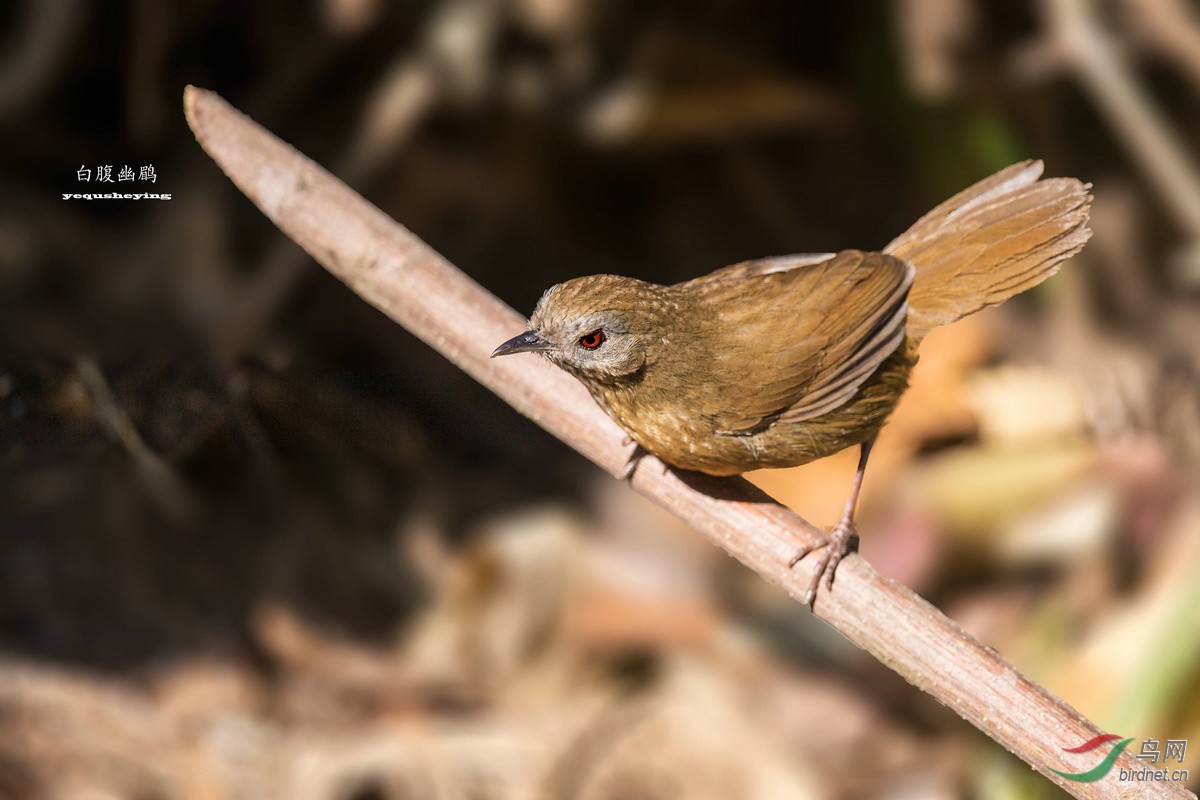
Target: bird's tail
(996,239)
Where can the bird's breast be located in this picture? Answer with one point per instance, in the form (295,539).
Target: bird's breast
(664,422)
(673,421)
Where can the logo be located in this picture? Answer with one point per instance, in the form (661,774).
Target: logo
(1174,751)
(1100,770)
(104,174)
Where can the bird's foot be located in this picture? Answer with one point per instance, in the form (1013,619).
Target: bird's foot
(636,454)
(835,544)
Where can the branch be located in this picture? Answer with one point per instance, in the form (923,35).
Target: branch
(416,287)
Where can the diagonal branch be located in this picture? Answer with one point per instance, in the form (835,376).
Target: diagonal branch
(415,286)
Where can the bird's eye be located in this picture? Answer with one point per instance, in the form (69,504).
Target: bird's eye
(592,340)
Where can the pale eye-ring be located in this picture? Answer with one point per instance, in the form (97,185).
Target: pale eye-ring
(592,340)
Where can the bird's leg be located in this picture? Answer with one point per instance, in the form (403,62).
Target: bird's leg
(841,540)
(636,453)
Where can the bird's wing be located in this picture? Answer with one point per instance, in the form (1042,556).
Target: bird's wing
(761,266)
(800,340)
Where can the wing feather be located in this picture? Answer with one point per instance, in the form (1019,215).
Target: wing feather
(799,336)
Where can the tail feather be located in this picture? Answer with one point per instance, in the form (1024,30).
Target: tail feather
(996,239)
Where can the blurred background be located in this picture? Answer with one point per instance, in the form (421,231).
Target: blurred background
(258,542)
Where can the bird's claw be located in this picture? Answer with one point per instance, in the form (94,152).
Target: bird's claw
(835,544)
(636,453)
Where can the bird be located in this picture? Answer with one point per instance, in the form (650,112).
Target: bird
(779,361)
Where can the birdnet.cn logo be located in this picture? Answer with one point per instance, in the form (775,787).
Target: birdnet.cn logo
(1172,751)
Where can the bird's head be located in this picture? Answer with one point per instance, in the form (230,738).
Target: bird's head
(599,328)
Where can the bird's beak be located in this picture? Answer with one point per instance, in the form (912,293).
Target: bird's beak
(527,342)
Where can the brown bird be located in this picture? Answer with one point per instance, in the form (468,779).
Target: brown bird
(779,361)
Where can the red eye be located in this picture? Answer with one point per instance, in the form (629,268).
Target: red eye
(592,340)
